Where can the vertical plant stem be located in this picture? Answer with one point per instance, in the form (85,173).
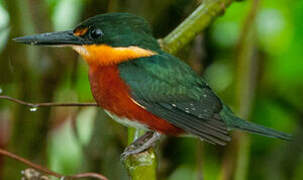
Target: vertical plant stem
(246,82)
(235,164)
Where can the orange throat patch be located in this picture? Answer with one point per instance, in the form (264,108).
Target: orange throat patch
(106,55)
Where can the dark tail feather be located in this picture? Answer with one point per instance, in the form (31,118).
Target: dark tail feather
(261,130)
(234,122)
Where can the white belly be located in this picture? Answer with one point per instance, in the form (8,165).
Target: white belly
(126,122)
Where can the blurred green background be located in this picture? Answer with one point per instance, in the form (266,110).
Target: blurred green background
(72,140)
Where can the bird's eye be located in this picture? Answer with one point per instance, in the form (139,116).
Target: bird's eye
(96,33)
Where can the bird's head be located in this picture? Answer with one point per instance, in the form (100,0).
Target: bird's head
(103,39)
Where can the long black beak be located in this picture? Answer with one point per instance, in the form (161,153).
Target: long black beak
(62,38)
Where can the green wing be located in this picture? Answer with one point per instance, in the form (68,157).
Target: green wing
(170,89)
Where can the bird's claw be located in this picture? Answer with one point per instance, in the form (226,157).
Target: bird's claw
(140,145)
(131,150)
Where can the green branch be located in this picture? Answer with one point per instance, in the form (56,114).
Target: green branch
(194,24)
(144,165)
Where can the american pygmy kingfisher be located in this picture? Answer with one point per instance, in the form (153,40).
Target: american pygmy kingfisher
(140,85)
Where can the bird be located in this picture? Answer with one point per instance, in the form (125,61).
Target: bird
(140,85)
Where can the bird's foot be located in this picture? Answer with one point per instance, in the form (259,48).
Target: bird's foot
(141,144)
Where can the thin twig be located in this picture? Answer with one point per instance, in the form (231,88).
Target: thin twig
(48,104)
(35,166)
(49,172)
